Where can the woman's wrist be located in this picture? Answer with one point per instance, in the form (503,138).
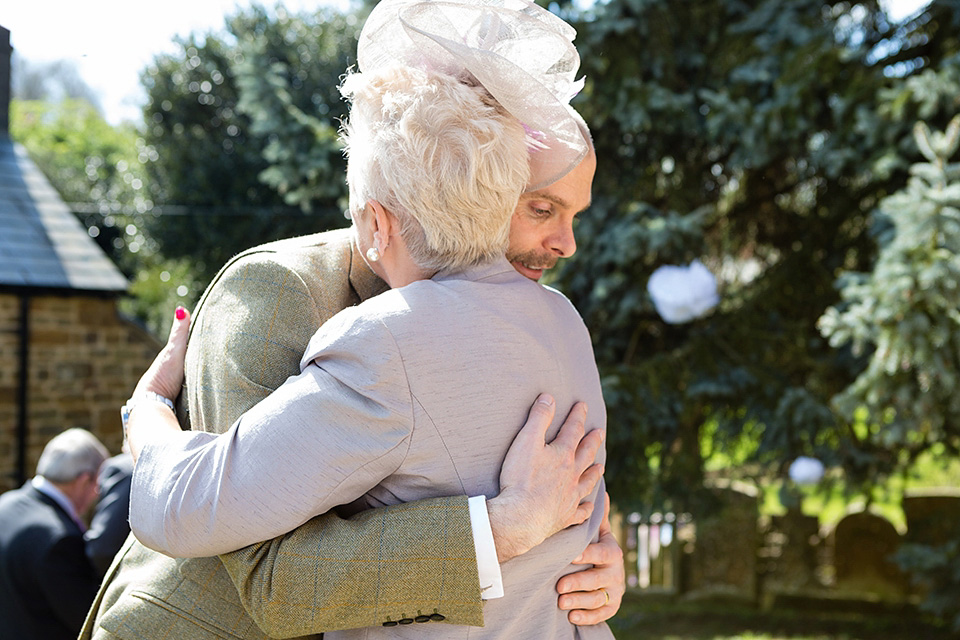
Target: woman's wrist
(140,396)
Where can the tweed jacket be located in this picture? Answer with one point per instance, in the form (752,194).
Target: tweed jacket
(249,331)
(417,392)
(46,581)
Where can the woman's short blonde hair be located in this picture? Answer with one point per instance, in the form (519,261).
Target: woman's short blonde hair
(442,155)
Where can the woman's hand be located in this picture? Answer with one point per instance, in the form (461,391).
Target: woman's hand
(165,375)
(149,419)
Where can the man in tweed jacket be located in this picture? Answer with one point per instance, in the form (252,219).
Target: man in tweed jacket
(250,329)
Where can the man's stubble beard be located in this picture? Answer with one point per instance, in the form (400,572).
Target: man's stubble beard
(534,259)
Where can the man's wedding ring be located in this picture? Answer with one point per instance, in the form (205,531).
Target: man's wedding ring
(605,595)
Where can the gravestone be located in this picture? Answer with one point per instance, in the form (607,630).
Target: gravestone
(863,544)
(789,553)
(933,516)
(723,561)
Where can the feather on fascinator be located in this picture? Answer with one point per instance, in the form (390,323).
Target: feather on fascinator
(521,53)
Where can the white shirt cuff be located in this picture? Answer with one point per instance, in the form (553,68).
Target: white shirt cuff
(488,568)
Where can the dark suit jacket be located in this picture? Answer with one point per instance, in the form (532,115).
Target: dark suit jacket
(109,526)
(46,581)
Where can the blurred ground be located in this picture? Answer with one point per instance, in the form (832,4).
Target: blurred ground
(646,618)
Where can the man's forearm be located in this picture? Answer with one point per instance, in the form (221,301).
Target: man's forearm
(387,564)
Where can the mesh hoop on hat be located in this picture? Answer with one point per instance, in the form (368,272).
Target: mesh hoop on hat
(521,53)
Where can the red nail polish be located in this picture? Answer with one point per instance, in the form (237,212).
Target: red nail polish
(181,313)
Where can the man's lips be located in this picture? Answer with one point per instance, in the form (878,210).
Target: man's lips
(528,272)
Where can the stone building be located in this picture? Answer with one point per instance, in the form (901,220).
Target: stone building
(67,358)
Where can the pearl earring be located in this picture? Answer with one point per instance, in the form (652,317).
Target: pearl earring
(373,254)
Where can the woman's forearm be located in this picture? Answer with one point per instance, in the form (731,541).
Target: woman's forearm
(312,445)
(150,422)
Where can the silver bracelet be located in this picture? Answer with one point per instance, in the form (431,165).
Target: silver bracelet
(127,409)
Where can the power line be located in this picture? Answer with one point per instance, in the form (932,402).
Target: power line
(93,208)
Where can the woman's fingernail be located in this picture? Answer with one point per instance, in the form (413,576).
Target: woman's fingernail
(181,313)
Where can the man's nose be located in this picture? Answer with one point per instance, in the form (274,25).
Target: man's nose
(563,243)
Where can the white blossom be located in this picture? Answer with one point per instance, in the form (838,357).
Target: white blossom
(682,294)
(806,470)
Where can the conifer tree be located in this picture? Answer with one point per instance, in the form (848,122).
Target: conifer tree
(906,312)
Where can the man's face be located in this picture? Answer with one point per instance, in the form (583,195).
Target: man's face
(541,231)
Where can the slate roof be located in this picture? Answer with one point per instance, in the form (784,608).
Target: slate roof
(42,244)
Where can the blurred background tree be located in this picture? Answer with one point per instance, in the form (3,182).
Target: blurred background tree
(906,311)
(244,125)
(906,314)
(759,138)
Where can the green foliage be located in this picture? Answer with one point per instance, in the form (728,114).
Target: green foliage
(158,288)
(757,137)
(288,74)
(243,125)
(905,311)
(94,166)
(936,569)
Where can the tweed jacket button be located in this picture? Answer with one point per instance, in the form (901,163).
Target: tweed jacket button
(422,618)
(390,623)
(437,617)
(406,621)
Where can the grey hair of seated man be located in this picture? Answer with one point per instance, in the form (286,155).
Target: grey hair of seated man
(71,454)
(442,155)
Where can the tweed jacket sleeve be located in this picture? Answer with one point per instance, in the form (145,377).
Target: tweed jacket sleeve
(249,333)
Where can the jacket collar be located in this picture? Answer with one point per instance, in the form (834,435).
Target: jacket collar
(498,268)
(50,490)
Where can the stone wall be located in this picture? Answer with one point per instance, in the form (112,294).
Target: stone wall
(84,362)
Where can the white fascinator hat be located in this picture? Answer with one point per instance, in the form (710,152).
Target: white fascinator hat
(521,53)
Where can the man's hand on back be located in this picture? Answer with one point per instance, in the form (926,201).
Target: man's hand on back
(543,485)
